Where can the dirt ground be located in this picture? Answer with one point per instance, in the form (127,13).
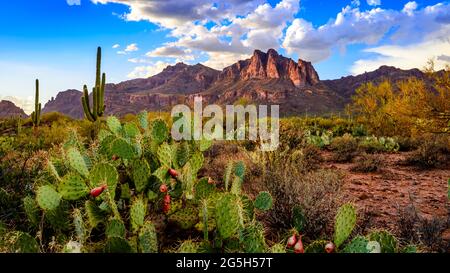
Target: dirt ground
(395,186)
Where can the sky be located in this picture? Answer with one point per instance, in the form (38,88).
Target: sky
(56,40)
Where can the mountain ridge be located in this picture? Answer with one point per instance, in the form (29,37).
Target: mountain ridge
(264,78)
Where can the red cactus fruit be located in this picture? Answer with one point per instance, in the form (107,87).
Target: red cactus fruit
(173,173)
(167,199)
(298,248)
(329,248)
(166,208)
(163,188)
(97,191)
(114,157)
(292,240)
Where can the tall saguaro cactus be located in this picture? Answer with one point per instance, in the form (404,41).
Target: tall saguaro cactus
(98,93)
(36,115)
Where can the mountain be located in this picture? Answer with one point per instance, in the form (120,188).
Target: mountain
(346,86)
(265,78)
(66,102)
(9,109)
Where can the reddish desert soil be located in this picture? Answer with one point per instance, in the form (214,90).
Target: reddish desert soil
(395,186)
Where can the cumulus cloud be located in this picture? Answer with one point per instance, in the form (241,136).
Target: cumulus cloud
(73,2)
(131,48)
(353,26)
(146,71)
(373,2)
(406,57)
(116,46)
(215,29)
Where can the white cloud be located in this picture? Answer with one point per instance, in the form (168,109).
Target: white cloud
(373,2)
(406,57)
(131,48)
(146,71)
(238,26)
(353,26)
(116,46)
(73,2)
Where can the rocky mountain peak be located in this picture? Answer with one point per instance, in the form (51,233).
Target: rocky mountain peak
(272,65)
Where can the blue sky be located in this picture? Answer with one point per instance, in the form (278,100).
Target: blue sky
(56,40)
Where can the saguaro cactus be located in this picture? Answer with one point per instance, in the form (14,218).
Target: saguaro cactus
(98,93)
(36,115)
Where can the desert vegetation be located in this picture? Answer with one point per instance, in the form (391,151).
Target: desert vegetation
(122,184)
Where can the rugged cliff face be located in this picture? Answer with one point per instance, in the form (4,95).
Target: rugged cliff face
(9,109)
(66,102)
(271,65)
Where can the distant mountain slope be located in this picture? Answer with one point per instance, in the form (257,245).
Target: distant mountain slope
(346,86)
(9,109)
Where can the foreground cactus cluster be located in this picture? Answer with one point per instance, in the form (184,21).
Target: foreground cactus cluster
(123,192)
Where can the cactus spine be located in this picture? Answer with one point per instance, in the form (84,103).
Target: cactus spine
(36,115)
(98,93)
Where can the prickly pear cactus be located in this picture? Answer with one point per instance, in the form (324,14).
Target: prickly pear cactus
(104,174)
(137,214)
(141,173)
(123,149)
(47,197)
(76,161)
(165,154)
(20,242)
(159,131)
(264,201)
(118,245)
(185,218)
(131,130)
(278,248)
(31,210)
(188,246)
(386,240)
(114,125)
(72,187)
(228,215)
(254,240)
(357,245)
(345,222)
(94,214)
(115,228)
(148,242)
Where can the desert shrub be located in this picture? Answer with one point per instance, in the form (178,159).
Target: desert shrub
(368,163)
(316,194)
(307,158)
(344,148)
(407,144)
(434,151)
